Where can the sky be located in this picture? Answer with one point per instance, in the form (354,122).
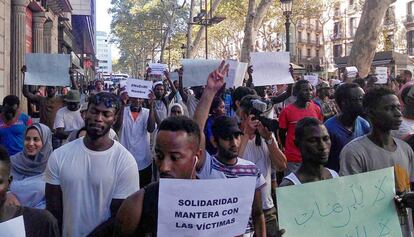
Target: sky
(103,22)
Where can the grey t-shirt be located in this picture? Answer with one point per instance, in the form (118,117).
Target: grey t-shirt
(362,155)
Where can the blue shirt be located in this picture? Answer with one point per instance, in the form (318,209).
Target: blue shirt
(340,136)
(12,136)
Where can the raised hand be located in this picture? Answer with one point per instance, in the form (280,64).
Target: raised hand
(215,80)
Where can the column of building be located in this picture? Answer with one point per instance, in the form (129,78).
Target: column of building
(18,45)
(39,20)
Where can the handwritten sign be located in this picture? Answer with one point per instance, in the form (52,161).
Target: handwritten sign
(186,209)
(361,205)
(312,79)
(157,68)
(382,75)
(237,71)
(47,69)
(13,227)
(138,88)
(271,68)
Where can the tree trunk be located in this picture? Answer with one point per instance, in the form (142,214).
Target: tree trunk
(254,19)
(200,33)
(190,31)
(366,36)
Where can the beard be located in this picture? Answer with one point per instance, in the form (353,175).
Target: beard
(226,154)
(135,108)
(95,132)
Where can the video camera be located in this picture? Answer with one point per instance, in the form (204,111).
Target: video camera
(261,109)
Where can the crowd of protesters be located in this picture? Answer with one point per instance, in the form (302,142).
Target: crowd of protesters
(91,167)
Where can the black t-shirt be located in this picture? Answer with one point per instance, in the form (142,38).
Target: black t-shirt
(149,217)
(38,222)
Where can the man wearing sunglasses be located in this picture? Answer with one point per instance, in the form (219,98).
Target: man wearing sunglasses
(88,179)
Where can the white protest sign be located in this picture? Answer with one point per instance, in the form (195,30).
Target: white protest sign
(210,207)
(236,73)
(271,68)
(157,68)
(13,228)
(351,71)
(47,69)
(196,71)
(382,75)
(313,79)
(138,88)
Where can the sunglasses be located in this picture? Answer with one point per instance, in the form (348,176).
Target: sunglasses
(107,101)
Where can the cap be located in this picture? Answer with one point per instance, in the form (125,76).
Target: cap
(156,84)
(225,127)
(73,96)
(322,85)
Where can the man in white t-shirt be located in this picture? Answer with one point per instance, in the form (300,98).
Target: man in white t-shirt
(137,122)
(265,156)
(69,118)
(88,179)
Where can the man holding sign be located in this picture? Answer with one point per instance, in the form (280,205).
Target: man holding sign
(135,122)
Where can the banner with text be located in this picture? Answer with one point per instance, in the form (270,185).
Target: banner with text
(312,79)
(185,208)
(157,68)
(47,69)
(382,75)
(362,205)
(138,88)
(196,72)
(271,68)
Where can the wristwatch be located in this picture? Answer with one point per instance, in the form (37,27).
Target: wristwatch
(270,141)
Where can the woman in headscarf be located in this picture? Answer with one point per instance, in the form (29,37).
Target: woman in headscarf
(176,109)
(29,165)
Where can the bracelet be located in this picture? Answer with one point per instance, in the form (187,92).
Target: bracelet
(269,142)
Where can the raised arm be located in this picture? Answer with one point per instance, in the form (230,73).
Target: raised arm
(25,89)
(215,82)
(173,90)
(183,94)
(152,116)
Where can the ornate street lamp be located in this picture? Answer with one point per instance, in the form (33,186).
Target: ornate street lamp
(287,11)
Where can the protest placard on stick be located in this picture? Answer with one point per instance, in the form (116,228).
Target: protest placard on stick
(138,88)
(186,209)
(47,69)
(271,68)
(382,75)
(361,205)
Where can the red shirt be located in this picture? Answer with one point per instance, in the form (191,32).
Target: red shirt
(288,119)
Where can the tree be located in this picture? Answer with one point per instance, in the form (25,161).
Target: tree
(366,36)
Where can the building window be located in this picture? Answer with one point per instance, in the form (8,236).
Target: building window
(299,36)
(337,51)
(351,2)
(317,53)
(299,53)
(308,53)
(308,38)
(337,30)
(410,8)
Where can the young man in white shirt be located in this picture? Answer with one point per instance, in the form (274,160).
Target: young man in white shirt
(69,118)
(137,123)
(88,179)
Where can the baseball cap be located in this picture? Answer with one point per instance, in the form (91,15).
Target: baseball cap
(73,96)
(225,127)
(322,85)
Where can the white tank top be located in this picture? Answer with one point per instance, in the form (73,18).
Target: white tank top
(294,179)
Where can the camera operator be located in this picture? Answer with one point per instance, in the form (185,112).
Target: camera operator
(265,154)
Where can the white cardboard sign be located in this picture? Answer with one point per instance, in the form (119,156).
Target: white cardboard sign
(13,227)
(312,79)
(271,68)
(210,207)
(382,75)
(47,69)
(196,72)
(157,68)
(138,88)
(351,71)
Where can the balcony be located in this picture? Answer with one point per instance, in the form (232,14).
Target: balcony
(336,36)
(310,27)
